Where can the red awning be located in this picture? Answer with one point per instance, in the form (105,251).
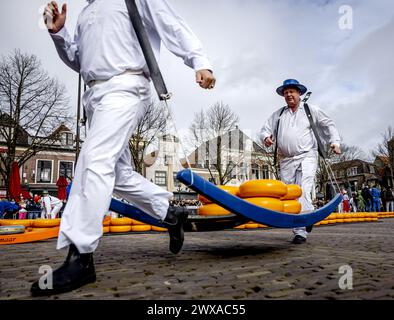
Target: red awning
(15,188)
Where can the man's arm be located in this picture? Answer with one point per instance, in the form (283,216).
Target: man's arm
(47,204)
(330,129)
(179,39)
(65,46)
(267,131)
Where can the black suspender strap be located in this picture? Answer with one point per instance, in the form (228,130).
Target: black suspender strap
(147,50)
(320,146)
(276,137)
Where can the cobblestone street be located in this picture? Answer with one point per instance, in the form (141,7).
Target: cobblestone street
(231,264)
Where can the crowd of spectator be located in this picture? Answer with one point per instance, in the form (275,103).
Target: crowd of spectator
(368,199)
(31,208)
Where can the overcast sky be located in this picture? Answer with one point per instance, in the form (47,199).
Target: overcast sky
(254,45)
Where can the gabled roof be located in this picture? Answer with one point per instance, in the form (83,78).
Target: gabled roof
(59,130)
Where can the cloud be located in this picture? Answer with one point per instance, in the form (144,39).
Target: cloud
(254,45)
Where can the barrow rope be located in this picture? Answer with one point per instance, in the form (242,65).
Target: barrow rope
(171,117)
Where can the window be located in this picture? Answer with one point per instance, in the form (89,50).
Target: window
(66,169)
(351,171)
(371,169)
(266,174)
(167,160)
(44,171)
(161,178)
(176,181)
(67,138)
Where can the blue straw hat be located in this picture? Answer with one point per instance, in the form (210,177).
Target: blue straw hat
(291,83)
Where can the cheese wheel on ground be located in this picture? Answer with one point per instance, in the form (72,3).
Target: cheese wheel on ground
(251,226)
(242,226)
(291,206)
(294,191)
(121,222)
(107,221)
(212,210)
(141,227)
(263,188)
(106,229)
(268,203)
(5,230)
(230,189)
(136,222)
(154,228)
(123,228)
(16,222)
(45,223)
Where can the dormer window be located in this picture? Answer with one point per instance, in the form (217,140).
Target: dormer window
(67,138)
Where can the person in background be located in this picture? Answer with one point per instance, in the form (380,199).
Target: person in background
(346,206)
(360,202)
(366,193)
(297,146)
(50,205)
(376,201)
(389,200)
(22,206)
(383,199)
(353,202)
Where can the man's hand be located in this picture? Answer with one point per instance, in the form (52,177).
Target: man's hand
(335,148)
(54,20)
(268,141)
(205,79)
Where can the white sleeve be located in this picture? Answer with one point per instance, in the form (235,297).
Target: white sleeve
(47,204)
(268,128)
(175,33)
(67,48)
(328,126)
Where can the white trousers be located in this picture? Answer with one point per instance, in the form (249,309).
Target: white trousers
(55,210)
(104,165)
(301,171)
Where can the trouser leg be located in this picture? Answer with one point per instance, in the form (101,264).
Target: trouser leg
(56,210)
(305,177)
(139,191)
(288,172)
(113,109)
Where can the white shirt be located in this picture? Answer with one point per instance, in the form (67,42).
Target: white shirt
(295,135)
(48,202)
(105,44)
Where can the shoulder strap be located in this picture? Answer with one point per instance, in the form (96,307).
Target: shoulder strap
(276,136)
(320,146)
(147,50)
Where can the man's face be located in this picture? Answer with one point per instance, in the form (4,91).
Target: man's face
(292,97)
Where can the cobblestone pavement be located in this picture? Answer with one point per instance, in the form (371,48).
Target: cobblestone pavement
(231,264)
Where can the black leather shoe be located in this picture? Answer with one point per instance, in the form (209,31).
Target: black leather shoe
(176,217)
(76,271)
(309,228)
(298,239)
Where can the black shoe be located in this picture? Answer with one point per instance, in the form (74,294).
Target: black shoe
(176,217)
(299,239)
(309,228)
(76,271)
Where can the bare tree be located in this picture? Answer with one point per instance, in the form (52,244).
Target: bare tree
(150,126)
(210,131)
(348,154)
(386,149)
(32,104)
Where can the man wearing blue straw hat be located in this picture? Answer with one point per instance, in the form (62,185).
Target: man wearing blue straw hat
(297,146)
